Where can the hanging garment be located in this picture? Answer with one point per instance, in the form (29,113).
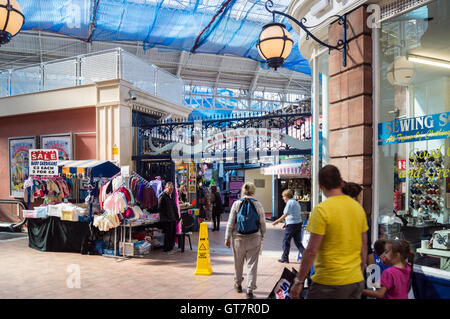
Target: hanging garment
(117,182)
(149,198)
(157,186)
(141,192)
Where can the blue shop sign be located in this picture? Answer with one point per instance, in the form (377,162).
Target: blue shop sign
(421,128)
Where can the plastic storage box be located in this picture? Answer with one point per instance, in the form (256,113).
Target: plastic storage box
(129,249)
(110,252)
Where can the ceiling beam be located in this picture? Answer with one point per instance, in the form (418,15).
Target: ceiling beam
(182,60)
(219,71)
(254,82)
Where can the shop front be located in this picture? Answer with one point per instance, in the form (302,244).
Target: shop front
(385,118)
(414,132)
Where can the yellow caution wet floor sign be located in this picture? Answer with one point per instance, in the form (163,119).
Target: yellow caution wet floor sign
(203,259)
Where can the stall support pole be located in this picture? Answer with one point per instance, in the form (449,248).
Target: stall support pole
(29,197)
(91,182)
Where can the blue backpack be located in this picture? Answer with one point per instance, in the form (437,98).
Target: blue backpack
(247,218)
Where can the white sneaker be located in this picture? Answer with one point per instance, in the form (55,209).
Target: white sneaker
(171,252)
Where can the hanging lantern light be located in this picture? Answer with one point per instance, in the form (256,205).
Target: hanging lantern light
(401,71)
(275,44)
(11,20)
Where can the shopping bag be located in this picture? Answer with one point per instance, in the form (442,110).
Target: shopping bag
(281,288)
(305,235)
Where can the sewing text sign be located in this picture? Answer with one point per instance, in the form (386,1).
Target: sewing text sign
(422,128)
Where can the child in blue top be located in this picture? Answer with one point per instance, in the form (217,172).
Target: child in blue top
(377,257)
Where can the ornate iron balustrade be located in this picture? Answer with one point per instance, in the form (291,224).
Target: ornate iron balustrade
(226,138)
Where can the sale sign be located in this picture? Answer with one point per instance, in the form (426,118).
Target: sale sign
(43,162)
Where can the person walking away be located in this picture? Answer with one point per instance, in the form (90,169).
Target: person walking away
(209,199)
(247,227)
(355,191)
(395,281)
(337,246)
(168,217)
(293,228)
(217,208)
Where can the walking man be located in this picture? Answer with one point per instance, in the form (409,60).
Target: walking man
(168,217)
(337,246)
(293,229)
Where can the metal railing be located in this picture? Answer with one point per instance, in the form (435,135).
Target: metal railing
(90,68)
(20,207)
(18,203)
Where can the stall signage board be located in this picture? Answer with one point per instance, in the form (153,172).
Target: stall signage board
(292,159)
(43,162)
(125,171)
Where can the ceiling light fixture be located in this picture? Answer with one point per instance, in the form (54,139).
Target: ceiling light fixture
(429,61)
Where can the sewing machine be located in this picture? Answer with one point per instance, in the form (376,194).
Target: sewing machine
(441,239)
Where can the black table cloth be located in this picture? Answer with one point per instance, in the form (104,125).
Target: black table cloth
(54,234)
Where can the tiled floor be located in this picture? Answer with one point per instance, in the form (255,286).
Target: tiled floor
(28,273)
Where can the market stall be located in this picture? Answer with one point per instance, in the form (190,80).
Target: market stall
(59,225)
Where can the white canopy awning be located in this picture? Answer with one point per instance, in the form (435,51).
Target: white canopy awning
(299,169)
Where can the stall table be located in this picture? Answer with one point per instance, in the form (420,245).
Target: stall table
(54,234)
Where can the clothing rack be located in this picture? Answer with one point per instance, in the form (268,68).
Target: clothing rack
(141,179)
(118,174)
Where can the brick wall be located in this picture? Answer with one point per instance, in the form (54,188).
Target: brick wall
(350,96)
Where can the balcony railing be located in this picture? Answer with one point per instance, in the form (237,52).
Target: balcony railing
(89,68)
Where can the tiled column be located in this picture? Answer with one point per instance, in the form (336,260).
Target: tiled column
(350,96)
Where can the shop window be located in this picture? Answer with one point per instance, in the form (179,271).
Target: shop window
(414,150)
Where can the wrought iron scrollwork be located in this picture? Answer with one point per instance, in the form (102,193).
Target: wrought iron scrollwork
(341,20)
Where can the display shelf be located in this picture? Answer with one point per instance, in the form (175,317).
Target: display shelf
(434,252)
(444,255)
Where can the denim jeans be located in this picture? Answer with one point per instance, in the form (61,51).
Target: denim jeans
(292,231)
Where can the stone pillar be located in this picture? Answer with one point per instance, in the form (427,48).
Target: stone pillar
(114,117)
(350,97)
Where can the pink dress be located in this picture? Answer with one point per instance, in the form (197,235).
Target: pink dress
(396,281)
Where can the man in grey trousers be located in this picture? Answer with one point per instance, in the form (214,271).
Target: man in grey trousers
(245,247)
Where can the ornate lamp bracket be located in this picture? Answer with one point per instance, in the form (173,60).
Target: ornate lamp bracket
(341,44)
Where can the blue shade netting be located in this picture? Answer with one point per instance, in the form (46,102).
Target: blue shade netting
(203,26)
